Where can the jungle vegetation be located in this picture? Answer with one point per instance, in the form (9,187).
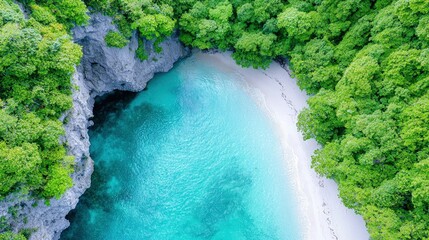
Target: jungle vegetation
(365,64)
(37,60)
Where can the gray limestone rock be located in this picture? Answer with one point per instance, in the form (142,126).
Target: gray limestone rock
(107,69)
(102,70)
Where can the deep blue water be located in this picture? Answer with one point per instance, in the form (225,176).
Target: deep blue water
(192,157)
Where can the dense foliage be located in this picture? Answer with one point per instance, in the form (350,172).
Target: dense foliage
(365,62)
(11,236)
(37,58)
(152,20)
(115,39)
(369,73)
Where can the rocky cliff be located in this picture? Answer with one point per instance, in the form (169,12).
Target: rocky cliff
(102,70)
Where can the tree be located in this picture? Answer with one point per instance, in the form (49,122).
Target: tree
(254,49)
(67,12)
(313,65)
(115,39)
(422,29)
(358,78)
(298,25)
(17,168)
(383,223)
(11,236)
(319,120)
(415,133)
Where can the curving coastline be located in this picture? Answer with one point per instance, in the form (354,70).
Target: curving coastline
(322,214)
(105,69)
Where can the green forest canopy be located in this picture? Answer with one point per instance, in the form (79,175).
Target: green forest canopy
(364,62)
(37,59)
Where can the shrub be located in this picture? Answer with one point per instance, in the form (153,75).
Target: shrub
(115,39)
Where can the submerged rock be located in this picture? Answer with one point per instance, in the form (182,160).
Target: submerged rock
(102,70)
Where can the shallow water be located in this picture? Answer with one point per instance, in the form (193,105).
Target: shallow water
(192,157)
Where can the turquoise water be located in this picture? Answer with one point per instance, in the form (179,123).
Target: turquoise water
(192,157)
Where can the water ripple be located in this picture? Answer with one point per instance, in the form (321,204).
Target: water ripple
(190,158)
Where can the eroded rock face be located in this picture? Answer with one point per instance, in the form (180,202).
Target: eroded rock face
(106,69)
(102,70)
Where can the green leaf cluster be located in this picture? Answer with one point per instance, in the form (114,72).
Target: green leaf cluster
(115,39)
(12,236)
(250,28)
(67,12)
(153,20)
(37,60)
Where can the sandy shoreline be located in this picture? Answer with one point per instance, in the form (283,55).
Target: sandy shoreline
(322,215)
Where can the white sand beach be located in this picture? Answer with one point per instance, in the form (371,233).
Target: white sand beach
(323,216)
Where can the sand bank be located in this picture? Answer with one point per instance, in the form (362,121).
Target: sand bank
(322,214)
